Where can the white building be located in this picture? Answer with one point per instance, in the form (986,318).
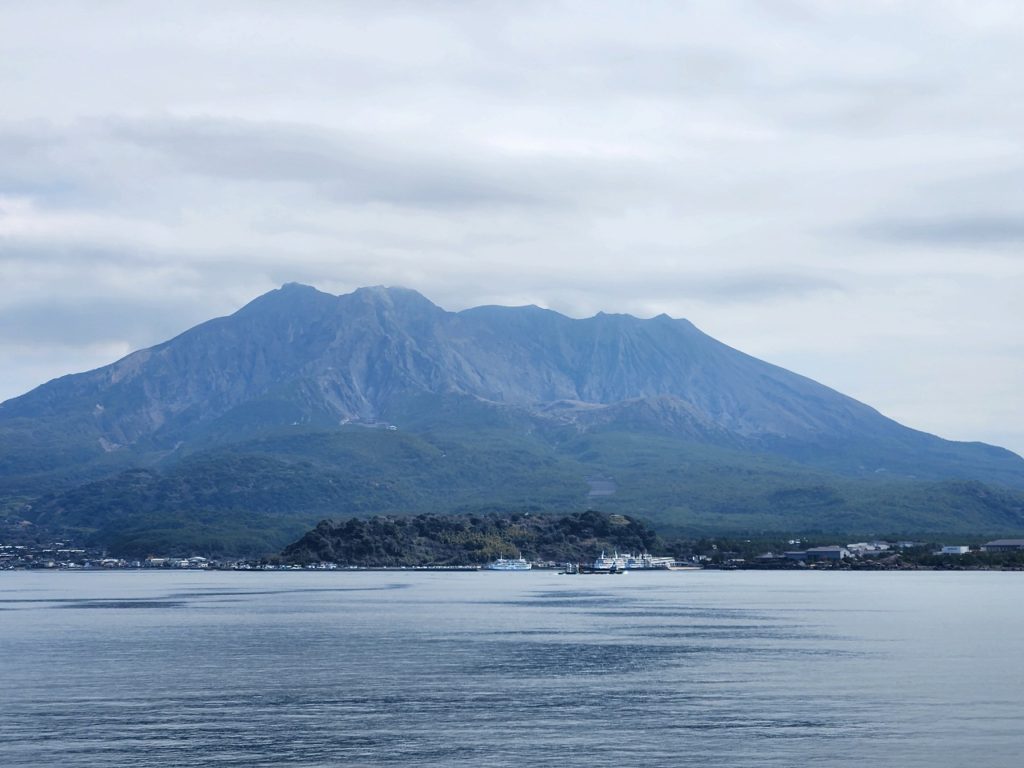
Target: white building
(955,549)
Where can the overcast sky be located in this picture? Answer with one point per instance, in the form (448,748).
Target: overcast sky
(835,187)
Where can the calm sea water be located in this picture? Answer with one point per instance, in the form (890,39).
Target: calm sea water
(499,669)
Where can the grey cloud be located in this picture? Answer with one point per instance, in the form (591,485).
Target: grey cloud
(30,161)
(110,162)
(627,292)
(344,166)
(734,288)
(65,256)
(136,322)
(950,230)
(86,296)
(759,286)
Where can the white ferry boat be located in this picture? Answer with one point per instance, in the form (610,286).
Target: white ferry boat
(613,564)
(648,562)
(509,564)
(618,563)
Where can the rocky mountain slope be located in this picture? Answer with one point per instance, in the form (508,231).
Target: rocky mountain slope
(334,390)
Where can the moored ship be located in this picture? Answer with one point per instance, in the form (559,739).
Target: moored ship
(617,563)
(649,562)
(509,564)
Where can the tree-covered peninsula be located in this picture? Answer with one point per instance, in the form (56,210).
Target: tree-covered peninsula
(469,539)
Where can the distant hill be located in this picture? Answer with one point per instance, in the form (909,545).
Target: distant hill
(247,429)
(470,539)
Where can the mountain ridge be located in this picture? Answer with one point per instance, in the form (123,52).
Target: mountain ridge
(388,357)
(600,366)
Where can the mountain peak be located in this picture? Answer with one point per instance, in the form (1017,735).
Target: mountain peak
(391,292)
(286,300)
(392,299)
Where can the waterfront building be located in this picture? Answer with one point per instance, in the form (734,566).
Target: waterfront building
(1003,545)
(834,552)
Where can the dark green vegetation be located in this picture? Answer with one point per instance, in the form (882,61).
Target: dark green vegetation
(245,431)
(257,495)
(470,539)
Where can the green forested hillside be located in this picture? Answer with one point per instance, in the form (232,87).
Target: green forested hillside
(258,495)
(470,539)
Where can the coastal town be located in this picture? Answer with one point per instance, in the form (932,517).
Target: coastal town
(1003,554)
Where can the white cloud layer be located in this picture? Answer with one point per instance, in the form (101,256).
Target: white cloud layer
(837,188)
